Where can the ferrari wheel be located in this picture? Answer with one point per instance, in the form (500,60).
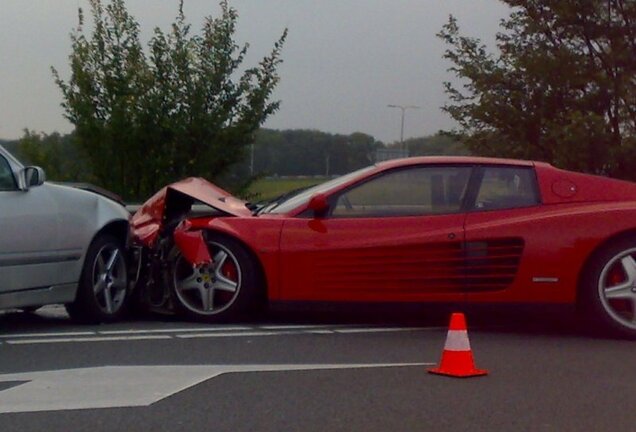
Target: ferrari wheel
(103,288)
(610,294)
(223,290)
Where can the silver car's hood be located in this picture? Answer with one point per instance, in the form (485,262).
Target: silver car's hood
(78,201)
(94,189)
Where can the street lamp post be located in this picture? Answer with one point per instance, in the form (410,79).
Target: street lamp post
(403,108)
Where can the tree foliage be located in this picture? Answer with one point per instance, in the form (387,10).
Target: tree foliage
(290,152)
(440,144)
(59,155)
(186,106)
(312,152)
(561,88)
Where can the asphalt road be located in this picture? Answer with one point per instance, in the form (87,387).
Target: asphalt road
(312,371)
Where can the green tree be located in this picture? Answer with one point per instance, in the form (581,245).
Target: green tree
(440,144)
(561,88)
(311,152)
(184,108)
(59,155)
(10,145)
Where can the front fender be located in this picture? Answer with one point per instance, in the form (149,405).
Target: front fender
(191,244)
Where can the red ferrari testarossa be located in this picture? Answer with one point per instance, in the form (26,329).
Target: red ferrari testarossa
(425,229)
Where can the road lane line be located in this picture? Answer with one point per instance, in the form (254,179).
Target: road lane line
(291,327)
(85,339)
(233,334)
(60,334)
(192,333)
(382,329)
(175,330)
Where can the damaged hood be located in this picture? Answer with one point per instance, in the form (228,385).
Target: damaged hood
(174,202)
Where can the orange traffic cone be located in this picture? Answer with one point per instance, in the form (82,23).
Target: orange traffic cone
(457,358)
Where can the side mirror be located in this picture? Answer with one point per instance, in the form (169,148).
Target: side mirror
(32,176)
(318,203)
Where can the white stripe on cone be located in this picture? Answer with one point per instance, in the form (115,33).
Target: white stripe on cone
(457,340)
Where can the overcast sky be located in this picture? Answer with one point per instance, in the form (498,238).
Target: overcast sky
(344,60)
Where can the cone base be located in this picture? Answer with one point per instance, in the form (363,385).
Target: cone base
(464,374)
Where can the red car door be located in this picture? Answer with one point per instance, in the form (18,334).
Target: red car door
(395,237)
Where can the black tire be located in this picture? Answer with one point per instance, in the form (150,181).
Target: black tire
(30,309)
(607,296)
(203,293)
(102,294)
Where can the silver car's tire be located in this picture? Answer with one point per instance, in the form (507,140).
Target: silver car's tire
(224,290)
(102,294)
(608,286)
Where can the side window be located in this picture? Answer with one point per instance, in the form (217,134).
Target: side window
(7,181)
(506,188)
(406,192)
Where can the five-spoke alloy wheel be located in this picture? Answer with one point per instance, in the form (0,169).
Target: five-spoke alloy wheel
(103,289)
(220,290)
(609,288)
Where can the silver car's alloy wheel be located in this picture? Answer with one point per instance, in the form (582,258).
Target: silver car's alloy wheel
(109,279)
(102,292)
(209,289)
(617,288)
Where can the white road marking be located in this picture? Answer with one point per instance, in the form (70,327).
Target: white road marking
(232,334)
(85,339)
(127,386)
(291,327)
(174,330)
(194,333)
(381,329)
(59,334)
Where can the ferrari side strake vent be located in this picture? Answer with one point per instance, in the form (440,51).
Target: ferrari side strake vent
(487,265)
(492,264)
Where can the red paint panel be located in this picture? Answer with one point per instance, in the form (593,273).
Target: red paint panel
(373,259)
(192,245)
(557,240)
(560,186)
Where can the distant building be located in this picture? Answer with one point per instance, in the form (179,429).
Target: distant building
(390,153)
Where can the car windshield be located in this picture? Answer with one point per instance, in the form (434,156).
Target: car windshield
(300,197)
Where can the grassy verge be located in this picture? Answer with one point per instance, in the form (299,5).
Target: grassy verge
(271,187)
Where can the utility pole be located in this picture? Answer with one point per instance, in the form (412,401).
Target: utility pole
(403,108)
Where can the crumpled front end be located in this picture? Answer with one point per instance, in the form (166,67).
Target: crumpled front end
(168,207)
(162,223)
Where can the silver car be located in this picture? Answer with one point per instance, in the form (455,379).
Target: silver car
(60,244)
